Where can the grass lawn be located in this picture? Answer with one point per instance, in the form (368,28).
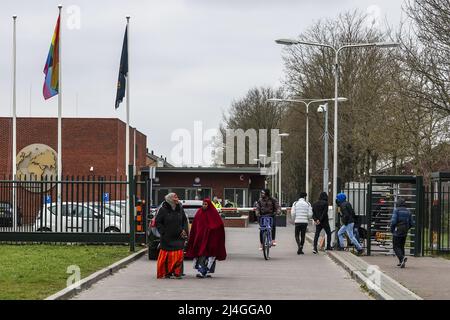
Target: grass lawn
(38,271)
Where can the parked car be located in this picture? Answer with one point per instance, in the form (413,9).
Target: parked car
(7,216)
(190,207)
(79,217)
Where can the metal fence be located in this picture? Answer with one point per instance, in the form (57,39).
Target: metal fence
(90,209)
(437,219)
(433,225)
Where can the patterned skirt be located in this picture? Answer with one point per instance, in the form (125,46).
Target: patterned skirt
(169,263)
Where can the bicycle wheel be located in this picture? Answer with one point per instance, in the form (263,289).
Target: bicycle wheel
(266,245)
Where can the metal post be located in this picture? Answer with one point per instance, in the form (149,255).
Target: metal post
(279,182)
(307,151)
(325,156)
(336,140)
(14,128)
(131,207)
(369,217)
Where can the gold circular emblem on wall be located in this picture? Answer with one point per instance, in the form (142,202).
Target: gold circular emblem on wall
(37,162)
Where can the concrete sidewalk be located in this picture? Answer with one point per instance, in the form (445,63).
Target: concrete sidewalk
(425,276)
(244,275)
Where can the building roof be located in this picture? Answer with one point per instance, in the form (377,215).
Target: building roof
(242,170)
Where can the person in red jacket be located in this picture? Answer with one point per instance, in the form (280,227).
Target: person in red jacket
(206,242)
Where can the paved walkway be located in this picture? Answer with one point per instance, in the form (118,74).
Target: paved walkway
(244,275)
(425,276)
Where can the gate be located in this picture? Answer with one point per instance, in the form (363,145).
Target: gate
(436,226)
(383,192)
(89,210)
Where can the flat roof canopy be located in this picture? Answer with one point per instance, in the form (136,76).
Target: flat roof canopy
(241,170)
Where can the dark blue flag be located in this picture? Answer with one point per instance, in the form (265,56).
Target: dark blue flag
(123,71)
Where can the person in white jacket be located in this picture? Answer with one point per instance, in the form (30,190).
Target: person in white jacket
(301,212)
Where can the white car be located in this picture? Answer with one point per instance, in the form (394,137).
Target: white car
(190,207)
(80,217)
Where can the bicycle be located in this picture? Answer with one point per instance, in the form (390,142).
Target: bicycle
(265,226)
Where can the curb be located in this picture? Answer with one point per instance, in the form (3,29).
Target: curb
(357,275)
(87,282)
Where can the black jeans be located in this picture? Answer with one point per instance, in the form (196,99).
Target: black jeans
(274,227)
(300,228)
(325,226)
(399,247)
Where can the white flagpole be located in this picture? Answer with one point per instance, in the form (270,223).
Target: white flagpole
(59,173)
(134,148)
(14,126)
(127,133)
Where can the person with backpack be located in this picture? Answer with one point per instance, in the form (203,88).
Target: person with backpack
(267,206)
(320,217)
(301,213)
(401,222)
(348,222)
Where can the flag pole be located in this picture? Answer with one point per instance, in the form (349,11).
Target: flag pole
(14,125)
(127,133)
(59,171)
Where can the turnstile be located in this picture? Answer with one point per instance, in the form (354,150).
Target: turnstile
(383,193)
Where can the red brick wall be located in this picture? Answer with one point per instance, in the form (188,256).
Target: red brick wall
(99,143)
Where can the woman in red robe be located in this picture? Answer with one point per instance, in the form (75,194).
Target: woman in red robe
(207,239)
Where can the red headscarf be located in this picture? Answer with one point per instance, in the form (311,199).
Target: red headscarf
(207,235)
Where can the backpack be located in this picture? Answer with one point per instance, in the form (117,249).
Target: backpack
(401,229)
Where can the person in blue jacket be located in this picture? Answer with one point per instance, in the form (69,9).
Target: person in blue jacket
(401,222)
(348,222)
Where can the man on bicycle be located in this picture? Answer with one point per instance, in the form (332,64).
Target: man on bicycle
(267,206)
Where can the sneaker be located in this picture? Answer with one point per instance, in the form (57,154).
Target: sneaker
(403,264)
(399,264)
(360,252)
(200,276)
(301,252)
(298,251)
(315,251)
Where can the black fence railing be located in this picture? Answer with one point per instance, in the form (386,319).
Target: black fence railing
(74,209)
(433,226)
(436,228)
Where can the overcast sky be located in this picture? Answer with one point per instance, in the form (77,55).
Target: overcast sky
(189,59)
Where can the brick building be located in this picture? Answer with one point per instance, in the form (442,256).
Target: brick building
(91,146)
(241,186)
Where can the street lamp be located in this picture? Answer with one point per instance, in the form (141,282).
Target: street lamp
(323,108)
(264,164)
(281,135)
(279,172)
(307,102)
(336,79)
(274,178)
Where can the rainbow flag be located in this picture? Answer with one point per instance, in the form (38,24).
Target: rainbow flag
(51,69)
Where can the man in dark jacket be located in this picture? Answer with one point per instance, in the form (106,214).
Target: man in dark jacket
(348,222)
(268,206)
(320,217)
(401,222)
(172,223)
